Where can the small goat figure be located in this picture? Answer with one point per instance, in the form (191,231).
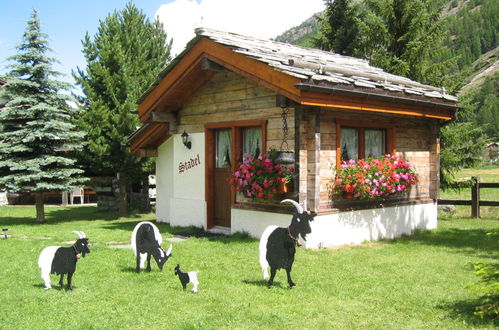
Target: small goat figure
(278,244)
(62,260)
(146,241)
(185,278)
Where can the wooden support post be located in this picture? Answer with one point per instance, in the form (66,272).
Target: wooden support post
(475,198)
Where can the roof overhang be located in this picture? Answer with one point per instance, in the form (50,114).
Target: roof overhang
(186,74)
(145,141)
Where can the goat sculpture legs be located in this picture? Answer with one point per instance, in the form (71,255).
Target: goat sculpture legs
(273,271)
(272,275)
(70,285)
(61,281)
(148,268)
(290,282)
(141,259)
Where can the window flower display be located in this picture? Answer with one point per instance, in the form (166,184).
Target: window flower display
(259,177)
(372,178)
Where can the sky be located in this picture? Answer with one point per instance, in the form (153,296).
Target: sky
(67,21)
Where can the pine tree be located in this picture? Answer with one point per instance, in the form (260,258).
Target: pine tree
(123,60)
(399,36)
(338,27)
(36,132)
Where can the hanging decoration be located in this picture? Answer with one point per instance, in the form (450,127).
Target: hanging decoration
(284,155)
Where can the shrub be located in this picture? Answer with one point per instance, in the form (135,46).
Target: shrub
(487,286)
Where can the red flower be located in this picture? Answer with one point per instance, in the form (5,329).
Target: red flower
(259,177)
(374,177)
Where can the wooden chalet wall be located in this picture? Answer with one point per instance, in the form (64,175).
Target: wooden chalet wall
(230,97)
(416,139)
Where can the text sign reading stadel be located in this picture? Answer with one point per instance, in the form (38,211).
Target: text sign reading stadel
(184,166)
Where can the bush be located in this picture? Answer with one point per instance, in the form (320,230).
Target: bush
(487,286)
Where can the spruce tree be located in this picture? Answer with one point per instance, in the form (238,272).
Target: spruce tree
(36,132)
(399,36)
(338,27)
(123,60)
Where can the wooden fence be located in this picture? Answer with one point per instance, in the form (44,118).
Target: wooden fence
(475,201)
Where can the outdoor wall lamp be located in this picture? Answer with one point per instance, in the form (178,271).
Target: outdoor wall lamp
(186,140)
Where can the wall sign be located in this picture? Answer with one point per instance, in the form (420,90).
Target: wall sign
(184,166)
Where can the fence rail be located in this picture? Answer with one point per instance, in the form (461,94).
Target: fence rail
(475,201)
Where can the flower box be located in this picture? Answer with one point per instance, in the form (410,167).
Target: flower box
(259,177)
(373,178)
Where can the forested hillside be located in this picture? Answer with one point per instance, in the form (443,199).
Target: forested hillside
(468,50)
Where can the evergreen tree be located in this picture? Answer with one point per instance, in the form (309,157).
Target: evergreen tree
(462,145)
(123,60)
(400,36)
(338,28)
(36,132)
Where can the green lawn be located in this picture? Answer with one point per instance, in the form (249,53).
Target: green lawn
(412,282)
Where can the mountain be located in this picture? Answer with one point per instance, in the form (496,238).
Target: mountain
(303,34)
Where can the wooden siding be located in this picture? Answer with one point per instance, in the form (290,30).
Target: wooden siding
(416,139)
(228,97)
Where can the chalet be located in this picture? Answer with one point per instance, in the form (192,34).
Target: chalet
(227,94)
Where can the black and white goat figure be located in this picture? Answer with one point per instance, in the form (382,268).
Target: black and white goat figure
(278,244)
(186,278)
(62,260)
(146,242)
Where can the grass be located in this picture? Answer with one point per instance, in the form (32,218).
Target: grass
(412,282)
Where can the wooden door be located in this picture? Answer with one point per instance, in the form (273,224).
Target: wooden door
(221,173)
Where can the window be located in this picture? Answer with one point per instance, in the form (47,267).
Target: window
(223,146)
(359,140)
(252,141)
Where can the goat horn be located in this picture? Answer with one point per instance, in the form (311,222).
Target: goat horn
(169,252)
(79,233)
(305,205)
(299,209)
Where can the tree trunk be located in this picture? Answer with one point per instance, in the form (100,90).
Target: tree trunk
(145,205)
(122,195)
(40,211)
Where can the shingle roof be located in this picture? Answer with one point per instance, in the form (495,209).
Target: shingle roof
(320,68)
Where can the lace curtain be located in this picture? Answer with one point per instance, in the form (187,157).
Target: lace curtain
(252,141)
(375,142)
(224,150)
(349,143)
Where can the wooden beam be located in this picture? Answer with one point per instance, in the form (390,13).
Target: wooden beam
(165,117)
(142,152)
(206,64)
(354,103)
(162,117)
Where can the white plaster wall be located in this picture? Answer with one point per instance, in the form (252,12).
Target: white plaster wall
(255,222)
(180,198)
(350,227)
(164,179)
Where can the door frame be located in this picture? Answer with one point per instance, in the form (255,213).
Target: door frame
(235,127)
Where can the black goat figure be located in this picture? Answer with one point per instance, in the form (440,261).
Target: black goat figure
(146,242)
(62,260)
(278,244)
(186,278)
